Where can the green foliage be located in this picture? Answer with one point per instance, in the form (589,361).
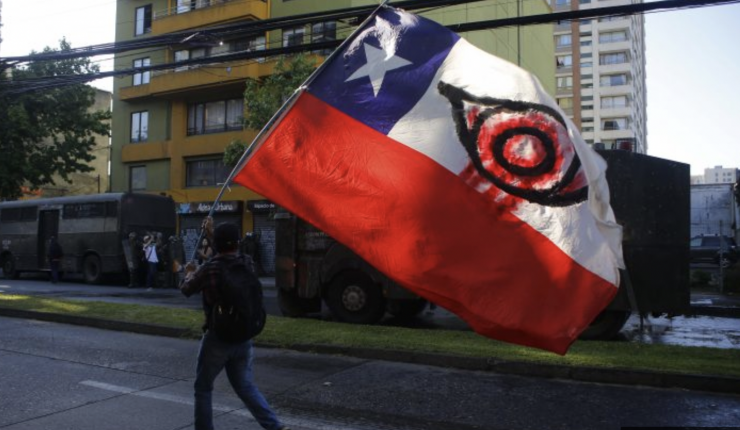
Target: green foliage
(233,152)
(263,98)
(48,131)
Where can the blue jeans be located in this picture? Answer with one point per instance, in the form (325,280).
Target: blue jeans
(215,355)
(151,274)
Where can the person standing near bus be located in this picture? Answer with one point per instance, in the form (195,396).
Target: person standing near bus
(54,253)
(150,254)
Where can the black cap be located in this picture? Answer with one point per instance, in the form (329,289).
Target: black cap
(226,237)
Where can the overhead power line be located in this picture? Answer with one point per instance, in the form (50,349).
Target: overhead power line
(260,27)
(249,28)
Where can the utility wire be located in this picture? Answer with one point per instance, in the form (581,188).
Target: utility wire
(32,84)
(229,30)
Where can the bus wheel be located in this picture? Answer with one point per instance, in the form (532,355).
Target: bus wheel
(606,325)
(293,306)
(9,271)
(406,309)
(92,269)
(354,298)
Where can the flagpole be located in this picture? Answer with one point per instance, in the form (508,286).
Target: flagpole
(279,114)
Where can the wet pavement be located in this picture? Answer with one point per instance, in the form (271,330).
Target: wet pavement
(703,330)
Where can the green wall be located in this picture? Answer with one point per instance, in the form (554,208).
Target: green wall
(536,41)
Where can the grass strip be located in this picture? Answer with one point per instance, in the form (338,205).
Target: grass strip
(284,332)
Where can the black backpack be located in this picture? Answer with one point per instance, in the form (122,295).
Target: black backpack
(239,314)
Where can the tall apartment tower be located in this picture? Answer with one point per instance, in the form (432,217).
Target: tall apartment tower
(600,75)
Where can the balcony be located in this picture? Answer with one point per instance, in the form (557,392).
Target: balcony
(207,12)
(170,82)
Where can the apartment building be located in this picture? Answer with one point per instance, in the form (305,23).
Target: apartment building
(600,76)
(170,127)
(717,175)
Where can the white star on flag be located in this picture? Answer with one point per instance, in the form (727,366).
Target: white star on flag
(376,67)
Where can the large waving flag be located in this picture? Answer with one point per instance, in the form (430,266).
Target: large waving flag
(452,172)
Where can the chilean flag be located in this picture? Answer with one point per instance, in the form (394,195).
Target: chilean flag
(452,172)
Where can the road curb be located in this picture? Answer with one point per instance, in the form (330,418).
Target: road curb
(716,384)
(98,323)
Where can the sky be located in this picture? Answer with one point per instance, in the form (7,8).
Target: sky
(693,69)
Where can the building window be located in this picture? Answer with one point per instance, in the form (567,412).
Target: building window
(143,20)
(613,58)
(565,103)
(324,32)
(586,64)
(139,126)
(563,61)
(137,178)
(611,18)
(613,102)
(215,117)
(613,36)
(586,43)
(206,173)
(563,40)
(562,2)
(613,80)
(181,55)
(293,36)
(614,124)
(564,82)
(250,45)
(141,78)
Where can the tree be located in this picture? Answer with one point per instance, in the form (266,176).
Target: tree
(47,131)
(263,98)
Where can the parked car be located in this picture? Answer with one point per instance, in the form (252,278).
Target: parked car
(714,249)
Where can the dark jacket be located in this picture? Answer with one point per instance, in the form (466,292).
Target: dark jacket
(206,281)
(55,251)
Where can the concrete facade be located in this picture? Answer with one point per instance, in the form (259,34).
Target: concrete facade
(714,210)
(600,75)
(717,175)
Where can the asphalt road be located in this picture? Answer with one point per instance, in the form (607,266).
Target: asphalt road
(60,377)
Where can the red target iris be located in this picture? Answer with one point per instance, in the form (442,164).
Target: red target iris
(522,149)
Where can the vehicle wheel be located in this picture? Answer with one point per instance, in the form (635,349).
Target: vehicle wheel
(92,269)
(406,309)
(9,271)
(354,298)
(293,306)
(606,325)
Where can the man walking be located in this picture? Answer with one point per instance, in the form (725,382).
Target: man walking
(54,253)
(150,255)
(216,354)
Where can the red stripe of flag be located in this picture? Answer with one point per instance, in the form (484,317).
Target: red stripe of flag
(421,225)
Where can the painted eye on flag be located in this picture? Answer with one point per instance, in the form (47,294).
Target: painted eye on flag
(520,148)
